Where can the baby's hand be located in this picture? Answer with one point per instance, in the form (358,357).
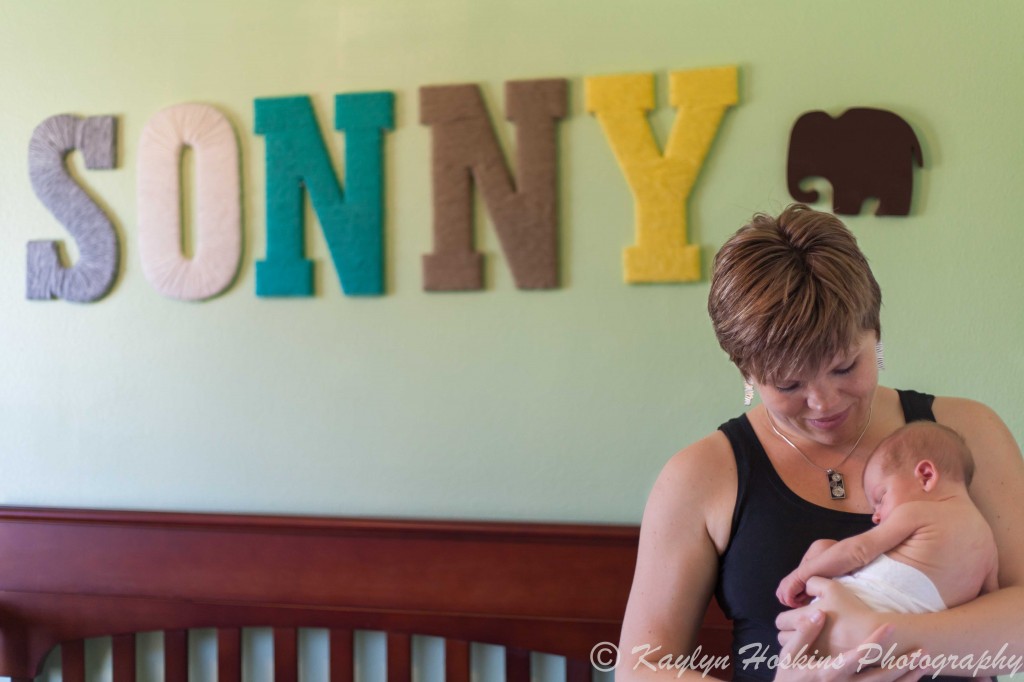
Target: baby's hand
(791,591)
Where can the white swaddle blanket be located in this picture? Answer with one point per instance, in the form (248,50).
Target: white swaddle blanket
(888,585)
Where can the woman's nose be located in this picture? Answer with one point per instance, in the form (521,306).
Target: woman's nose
(821,397)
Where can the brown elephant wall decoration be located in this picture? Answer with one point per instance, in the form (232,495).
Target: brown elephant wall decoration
(863,153)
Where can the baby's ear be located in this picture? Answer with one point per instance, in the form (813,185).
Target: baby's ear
(927,475)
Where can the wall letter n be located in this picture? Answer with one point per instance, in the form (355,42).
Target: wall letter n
(661,184)
(297,160)
(525,213)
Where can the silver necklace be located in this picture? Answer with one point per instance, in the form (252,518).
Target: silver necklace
(836,482)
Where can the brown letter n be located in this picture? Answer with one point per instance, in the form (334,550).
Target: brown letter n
(466,151)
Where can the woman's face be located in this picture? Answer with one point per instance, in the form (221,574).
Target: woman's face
(829,406)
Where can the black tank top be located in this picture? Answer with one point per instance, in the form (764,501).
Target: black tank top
(772,527)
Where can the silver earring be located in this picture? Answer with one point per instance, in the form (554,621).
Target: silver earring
(879,355)
(748,393)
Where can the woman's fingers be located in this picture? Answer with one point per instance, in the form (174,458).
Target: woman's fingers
(850,621)
(795,626)
(787,620)
(793,656)
(806,629)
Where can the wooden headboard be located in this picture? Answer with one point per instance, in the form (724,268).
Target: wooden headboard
(69,575)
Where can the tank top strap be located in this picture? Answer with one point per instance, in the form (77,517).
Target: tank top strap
(751,461)
(916,406)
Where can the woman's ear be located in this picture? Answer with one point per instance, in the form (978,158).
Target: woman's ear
(927,475)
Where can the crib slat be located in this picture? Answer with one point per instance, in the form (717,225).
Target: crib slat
(176,656)
(577,670)
(124,658)
(286,659)
(517,665)
(456,660)
(72,661)
(399,657)
(229,655)
(341,656)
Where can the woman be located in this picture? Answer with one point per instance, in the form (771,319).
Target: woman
(794,304)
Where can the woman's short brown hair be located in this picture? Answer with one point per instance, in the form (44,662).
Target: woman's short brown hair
(790,293)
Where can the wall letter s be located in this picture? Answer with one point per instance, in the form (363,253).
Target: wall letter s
(92,276)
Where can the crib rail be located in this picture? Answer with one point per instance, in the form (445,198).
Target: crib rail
(72,574)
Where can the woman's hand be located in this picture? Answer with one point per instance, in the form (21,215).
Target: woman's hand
(840,632)
(796,666)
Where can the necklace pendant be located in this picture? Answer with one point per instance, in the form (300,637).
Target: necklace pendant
(836,485)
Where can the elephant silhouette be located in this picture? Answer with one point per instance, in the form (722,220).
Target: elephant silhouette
(863,153)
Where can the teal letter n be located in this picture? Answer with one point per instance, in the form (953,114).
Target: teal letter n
(353,222)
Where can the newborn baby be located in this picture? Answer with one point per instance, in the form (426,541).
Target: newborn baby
(931,548)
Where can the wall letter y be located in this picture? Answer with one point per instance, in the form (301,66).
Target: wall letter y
(661,184)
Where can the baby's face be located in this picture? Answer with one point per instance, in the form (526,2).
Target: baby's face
(888,490)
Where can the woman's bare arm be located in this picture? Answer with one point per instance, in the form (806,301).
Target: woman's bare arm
(689,508)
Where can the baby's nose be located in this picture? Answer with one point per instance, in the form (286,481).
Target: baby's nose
(875,519)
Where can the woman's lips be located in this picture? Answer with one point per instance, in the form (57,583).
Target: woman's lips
(831,422)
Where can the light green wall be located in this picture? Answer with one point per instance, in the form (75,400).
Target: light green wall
(558,405)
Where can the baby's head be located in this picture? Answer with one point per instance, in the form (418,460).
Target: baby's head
(910,463)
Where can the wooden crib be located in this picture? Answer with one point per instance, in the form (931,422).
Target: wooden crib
(70,575)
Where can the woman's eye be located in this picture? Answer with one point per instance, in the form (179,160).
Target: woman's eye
(787,388)
(846,370)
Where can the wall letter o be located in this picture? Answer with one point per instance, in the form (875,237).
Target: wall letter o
(218,229)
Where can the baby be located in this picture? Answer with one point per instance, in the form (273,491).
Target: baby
(931,548)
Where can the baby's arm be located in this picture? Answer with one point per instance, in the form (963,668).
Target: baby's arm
(850,554)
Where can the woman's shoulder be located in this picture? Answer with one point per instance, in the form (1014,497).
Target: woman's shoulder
(986,434)
(952,405)
(700,477)
(970,418)
(704,458)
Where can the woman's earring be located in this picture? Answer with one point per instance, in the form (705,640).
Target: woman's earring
(879,355)
(748,393)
